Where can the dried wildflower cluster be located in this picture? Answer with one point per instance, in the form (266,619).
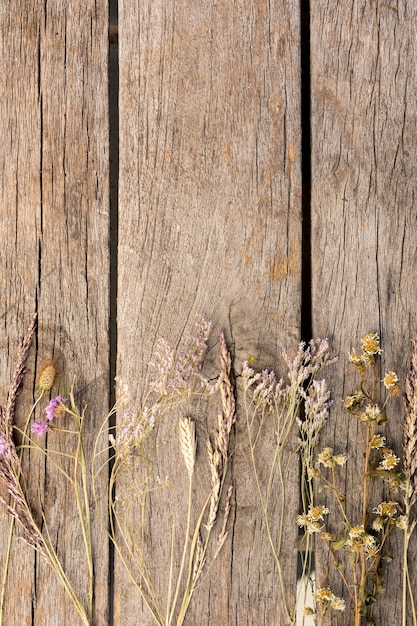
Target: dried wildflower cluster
(273,403)
(33,528)
(298,405)
(365,539)
(178,378)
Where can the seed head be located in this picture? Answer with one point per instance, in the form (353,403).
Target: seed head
(47,374)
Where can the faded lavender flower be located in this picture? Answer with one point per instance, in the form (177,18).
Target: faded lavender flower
(39,428)
(179,372)
(178,377)
(55,407)
(310,359)
(317,404)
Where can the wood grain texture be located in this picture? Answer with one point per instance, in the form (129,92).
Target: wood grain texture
(210,222)
(364,82)
(54,259)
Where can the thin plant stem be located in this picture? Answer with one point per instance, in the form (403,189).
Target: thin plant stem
(170,616)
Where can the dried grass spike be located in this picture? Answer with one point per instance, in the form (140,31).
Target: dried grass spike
(188,443)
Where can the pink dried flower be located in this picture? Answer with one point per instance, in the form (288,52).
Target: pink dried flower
(39,428)
(52,410)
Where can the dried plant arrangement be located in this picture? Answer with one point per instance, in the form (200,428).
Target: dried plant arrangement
(289,414)
(271,403)
(29,517)
(359,548)
(132,477)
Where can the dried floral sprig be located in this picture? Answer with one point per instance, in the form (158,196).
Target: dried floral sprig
(35,532)
(366,541)
(179,377)
(267,397)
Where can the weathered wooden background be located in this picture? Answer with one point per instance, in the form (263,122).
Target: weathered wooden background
(211,216)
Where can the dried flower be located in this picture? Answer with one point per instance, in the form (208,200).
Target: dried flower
(122,392)
(327,597)
(370,344)
(351,402)
(47,374)
(357,359)
(39,428)
(377,441)
(372,413)
(402,522)
(311,520)
(389,461)
(328,459)
(386,509)
(55,407)
(180,372)
(390,380)
(359,540)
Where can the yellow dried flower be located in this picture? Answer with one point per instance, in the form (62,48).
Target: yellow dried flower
(360,360)
(370,344)
(47,375)
(389,462)
(390,380)
(326,596)
(316,513)
(386,509)
(328,459)
(308,611)
(377,441)
(351,402)
(372,413)
(357,532)
(310,525)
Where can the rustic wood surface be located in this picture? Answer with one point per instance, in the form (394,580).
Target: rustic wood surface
(54,257)
(209,222)
(364,236)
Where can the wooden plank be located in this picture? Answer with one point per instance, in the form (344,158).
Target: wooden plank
(363,220)
(209,222)
(54,259)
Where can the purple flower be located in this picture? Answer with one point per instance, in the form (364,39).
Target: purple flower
(39,428)
(51,409)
